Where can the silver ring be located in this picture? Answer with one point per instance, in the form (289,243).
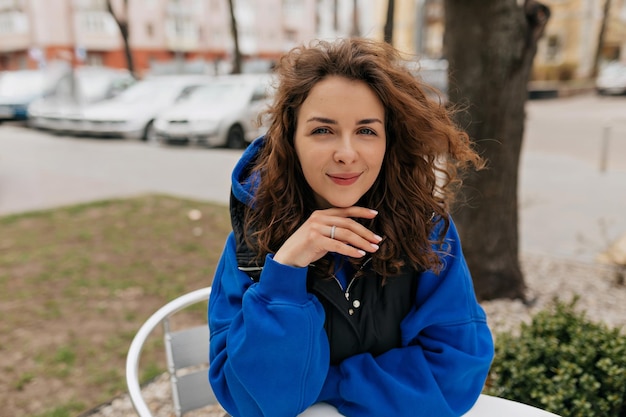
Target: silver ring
(332,231)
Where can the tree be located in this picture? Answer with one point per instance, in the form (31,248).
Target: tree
(355,32)
(388,29)
(233,29)
(601,35)
(122,24)
(490,46)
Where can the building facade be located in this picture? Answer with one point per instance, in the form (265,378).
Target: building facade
(570,42)
(161,32)
(195,35)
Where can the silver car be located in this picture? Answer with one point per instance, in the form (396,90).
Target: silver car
(223,112)
(131,114)
(61,109)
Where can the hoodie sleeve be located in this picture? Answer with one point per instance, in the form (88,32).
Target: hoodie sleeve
(269,352)
(444,360)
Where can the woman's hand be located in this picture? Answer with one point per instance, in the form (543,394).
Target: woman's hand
(329,230)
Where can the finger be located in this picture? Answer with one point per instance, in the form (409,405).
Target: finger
(355,240)
(343,218)
(354,211)
(352,230)
(342,248)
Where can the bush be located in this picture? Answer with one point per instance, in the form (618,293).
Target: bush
(563,363)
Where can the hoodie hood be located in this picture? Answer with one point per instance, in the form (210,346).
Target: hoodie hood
(241,195)
(243,186)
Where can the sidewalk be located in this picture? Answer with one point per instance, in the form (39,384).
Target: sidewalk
(572,191)
(568,208)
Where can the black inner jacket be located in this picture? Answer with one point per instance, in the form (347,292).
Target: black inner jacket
(364,318)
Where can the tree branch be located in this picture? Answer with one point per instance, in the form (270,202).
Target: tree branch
(537,16)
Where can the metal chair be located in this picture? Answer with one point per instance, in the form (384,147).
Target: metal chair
(186,349)
(187,353)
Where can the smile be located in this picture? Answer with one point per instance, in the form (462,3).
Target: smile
(344,179)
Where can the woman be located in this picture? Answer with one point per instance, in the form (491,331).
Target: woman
(343,280)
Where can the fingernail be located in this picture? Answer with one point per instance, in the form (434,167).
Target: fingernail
(378,238)
(362,252)
(374,211)
(376,247)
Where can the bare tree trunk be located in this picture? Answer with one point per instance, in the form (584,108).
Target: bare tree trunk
(356,32)
(490,45)
(122,24)
(233,28)
(388,30)
(318,18)
(601,36)
(73,45)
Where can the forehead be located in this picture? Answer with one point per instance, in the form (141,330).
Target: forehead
(336,93)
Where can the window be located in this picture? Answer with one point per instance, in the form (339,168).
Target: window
(215,5)
(90,5)
(553,48)
(6,22)
(95,60)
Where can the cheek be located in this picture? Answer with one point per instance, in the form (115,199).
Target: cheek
(377,158)
(309,162)
(311,157)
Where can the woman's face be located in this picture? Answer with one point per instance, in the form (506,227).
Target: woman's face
(340,140)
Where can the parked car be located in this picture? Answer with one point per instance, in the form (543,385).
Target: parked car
(61,109)
(131,114)
(17,90)
(433,72)
(612,79)
(223,112)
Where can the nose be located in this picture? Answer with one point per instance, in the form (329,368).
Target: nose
(345,153)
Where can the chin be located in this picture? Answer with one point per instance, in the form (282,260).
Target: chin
(342,203)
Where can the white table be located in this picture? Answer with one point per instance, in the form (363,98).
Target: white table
(486,406)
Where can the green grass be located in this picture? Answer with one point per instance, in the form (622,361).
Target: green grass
(77,282)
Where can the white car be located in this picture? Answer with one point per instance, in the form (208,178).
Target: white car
(612,79)
(61,109)
(223,112)
(17,90)
(131,114)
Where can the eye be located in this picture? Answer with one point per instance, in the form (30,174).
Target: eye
(366,131)
(321,131)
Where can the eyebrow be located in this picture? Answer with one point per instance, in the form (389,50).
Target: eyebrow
(334,122)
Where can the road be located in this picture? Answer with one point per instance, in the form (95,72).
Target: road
(40,170)
(569,206)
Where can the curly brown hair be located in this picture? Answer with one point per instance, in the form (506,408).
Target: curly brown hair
(424,155)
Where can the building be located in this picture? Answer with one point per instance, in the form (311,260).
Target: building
(570,43)
(195,35)
(187,34)
(566,51)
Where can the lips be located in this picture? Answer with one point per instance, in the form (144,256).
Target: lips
(344,179)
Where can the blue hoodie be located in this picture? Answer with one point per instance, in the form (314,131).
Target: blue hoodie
(270,353)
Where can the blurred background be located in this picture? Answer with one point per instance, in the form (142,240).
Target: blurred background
(167,36)
(120,122)
(59,56)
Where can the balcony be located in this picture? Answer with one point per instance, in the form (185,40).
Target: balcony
(182,35)
(14,31)
(97,30)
